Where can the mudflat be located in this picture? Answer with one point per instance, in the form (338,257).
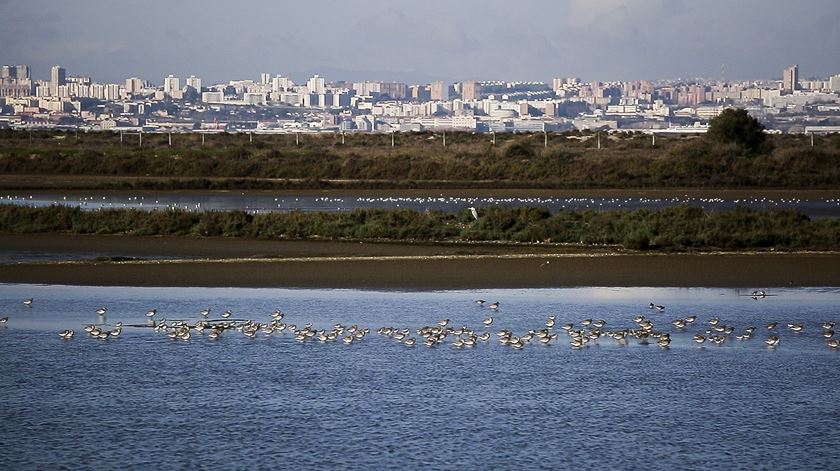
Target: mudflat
(217,262)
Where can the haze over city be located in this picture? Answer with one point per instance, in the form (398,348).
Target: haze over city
(438,40)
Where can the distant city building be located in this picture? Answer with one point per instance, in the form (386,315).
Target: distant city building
(316,85)
(194,82)
(439,91)
(133,85)
(834,83)
(281,84)
(790,79)
(171,84)
(58,77)
(213,97)
(265,79)
(471,91)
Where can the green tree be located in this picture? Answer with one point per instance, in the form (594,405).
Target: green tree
(735,125)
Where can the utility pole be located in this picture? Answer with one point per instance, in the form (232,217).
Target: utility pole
(297,138)
(444,138)
(202,139)
(653,136)
(392,138)
(812,139)
(170,139)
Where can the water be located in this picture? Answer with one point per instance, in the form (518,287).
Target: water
(143,400)
(258,202)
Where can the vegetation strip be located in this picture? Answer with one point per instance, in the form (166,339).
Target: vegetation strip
(563,161)
(671,229)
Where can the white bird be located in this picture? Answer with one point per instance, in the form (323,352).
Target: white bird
(205,312)
(66,334)
(102,310)
(3,320)
(151,313)
(27,302)
(473,212)
(227,314)
(494,306)
(488,321)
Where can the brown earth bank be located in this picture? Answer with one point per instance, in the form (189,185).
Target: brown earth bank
(327,264)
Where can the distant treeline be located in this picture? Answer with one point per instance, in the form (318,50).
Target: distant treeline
(420,160)
(672,229)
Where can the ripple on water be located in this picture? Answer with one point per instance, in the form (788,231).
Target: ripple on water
(145,401)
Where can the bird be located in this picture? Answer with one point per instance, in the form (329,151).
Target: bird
(658,307)
(443,322)
(66,334)
(102,310)
(27,302)
(494,306)
(151,313)
(4,320)
(772,340)
(473,212)
(488,321)
(480,302)
(699,338)
(205,312)
(227,313)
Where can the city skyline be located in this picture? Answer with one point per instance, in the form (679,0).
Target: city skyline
(376,40)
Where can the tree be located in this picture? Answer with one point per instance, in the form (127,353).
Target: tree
(735,125)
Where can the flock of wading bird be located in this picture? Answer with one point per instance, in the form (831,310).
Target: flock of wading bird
(579,336)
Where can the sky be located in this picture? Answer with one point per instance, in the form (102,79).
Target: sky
(421,41)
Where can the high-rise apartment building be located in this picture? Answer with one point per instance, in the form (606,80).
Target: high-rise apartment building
(471,91)
(316,85)
(834,83)
(440,91)
(265,78)
(133,85)
(8,72)
(790,79)
(171,84)
(22,72)
(194,82)
(58,77)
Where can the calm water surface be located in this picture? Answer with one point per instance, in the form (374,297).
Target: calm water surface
(143,400)
(258,202)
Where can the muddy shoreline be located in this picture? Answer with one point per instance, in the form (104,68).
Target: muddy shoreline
(158,261)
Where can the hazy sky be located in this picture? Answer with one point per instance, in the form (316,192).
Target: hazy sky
(419,41)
